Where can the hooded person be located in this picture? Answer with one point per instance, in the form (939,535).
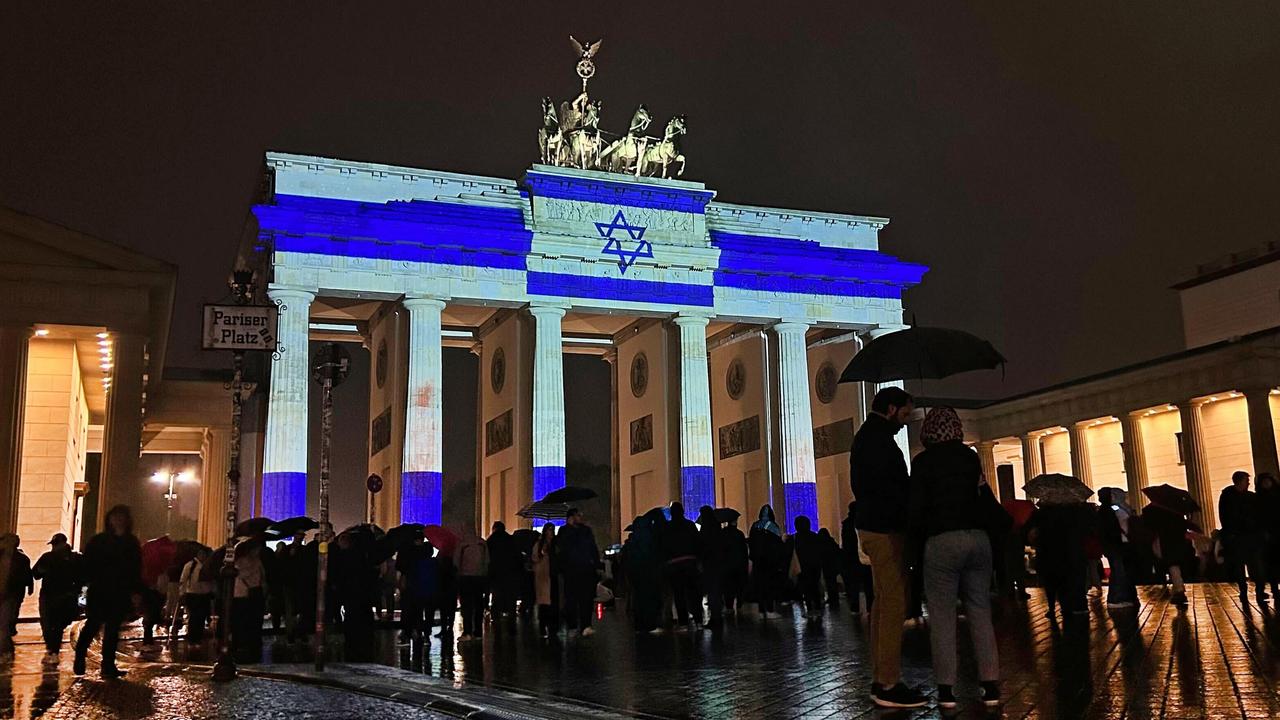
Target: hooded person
(578,558)
(643,562)
(113,561)
(948,510)
(1115,520)
(767,552)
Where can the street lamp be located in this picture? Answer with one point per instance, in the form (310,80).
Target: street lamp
(172,478)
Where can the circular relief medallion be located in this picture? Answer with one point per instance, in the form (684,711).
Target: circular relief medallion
(825,383)
(639,374)
(381,366)
(735,379)
(498,370)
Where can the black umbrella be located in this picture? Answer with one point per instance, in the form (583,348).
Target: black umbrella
(525,539)
(725,515)
(254,526)
(920,353)
(1174,498)
(544,511)
(569,494)
(292,526)
(401,535)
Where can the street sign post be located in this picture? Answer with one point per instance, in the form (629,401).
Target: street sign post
(332,363)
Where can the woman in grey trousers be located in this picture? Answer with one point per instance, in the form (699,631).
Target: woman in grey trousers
(947,513)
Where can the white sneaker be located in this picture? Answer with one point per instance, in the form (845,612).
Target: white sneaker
(588,632)
(657,631)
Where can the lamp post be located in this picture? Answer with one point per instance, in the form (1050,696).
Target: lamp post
(172,495)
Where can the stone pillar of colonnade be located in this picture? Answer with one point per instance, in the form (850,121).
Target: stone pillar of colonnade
(215,457)
(284,462)
(122,433)
(1262,434)
(697,474)
(1032,457)
(1080,464)
(14,343)
(421,490)
(548,400)
(987,456)
(1135,458)
(1196,463)
(799,478)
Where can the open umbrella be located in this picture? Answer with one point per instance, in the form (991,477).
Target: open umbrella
(187,550)
(1019,510)
(569,494)
(292,526)
(1057,489)
(545,511)
(525,539)
(1174,498)
(659,514)
(254,526)
(442,538)
(920,353)
(401,535)
(725,515)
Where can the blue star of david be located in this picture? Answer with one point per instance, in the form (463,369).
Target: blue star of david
(626,258)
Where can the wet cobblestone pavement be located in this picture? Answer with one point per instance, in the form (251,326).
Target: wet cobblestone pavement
(1214,659)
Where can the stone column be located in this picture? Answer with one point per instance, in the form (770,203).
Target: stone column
(284,462)
(1032,458)
(548,400)
(14,341)
(799,479)
(697,476)
(122,432)
(987,455)
(421,489)
(1135,458)
(1196,463)
(1081,465)
(1262,433)
(215,457)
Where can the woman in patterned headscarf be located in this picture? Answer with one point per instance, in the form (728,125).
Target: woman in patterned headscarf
(948,497)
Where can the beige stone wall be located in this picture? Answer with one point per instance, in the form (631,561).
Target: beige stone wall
(505,482)
(389,327)
(651,477)
(1057,453)
(834,492)
(1159,439)
(55,433)
(1226,440)
(1106,455)
(1237,304)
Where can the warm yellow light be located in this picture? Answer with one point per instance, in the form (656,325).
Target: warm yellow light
(101,336)
(42,332)
(159,477)
(104,343)
(186,476)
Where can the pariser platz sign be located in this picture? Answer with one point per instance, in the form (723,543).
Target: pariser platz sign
(239,327)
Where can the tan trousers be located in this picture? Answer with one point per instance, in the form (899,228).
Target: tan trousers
(889,611)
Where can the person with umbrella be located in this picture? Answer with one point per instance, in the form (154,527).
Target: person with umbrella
(419,587)
(680,546)
(578,558)
(546,587)
(506,569)
(644,569)
(1060,530)
(1166,518)
(113,559)
(61,575)
(1243,536)
(881,487)
(807,548)
(197,593)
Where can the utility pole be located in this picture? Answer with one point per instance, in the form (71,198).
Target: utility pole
(331,367)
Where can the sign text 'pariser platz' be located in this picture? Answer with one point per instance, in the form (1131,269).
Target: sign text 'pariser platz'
(239,327)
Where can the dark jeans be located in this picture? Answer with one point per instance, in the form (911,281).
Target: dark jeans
(152,612)
(715,585)
(416,613)
(246,626)
(471,590)
(1246,550)
(1120,585)
(56,613)
(548,620)
(810,585)
(683,577)
(858,577)
(108,620)
(198,607)
(831,576)
(579,598)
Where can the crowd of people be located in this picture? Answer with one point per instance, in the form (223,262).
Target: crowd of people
(934,537)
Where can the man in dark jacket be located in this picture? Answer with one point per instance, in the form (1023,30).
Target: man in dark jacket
(113,561)
(506,570)
(881,487)
(680,545)
(61,574)
(1243,538)
(15,584)
(578,559)
(715,559)
(808,552)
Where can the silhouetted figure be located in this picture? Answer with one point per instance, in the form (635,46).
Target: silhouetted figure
(767,555)
(643,561)
(157,556)
(808,549)
(354,576)
(1243,536)
(832,566)
(471,560)
(1172,549)
(949,507)
(714,557)
(113,564)
(738,560)
(15,584)
(419,585)
(447,595)
(506,569)
(680,547)
(1269,512)
(546,585)
(578,558)
(248,602)
(61,575)
(1059,534)
(880,483)
(1114,523)
(857,574)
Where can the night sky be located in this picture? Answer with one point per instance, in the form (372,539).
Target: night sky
(1057,165)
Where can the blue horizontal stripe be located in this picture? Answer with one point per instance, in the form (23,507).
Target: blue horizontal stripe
(613,193)
(806,285)
(284,494)
(806,258)
(606,288)
(697,488)
(421,497)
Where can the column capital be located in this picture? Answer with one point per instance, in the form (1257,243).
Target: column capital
(286,292)
(1258,390)
(691,319)
(787,325)
(880,330)
(547,310)
(413,302)
(982,444)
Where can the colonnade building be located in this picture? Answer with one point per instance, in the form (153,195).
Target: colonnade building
(726,327)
